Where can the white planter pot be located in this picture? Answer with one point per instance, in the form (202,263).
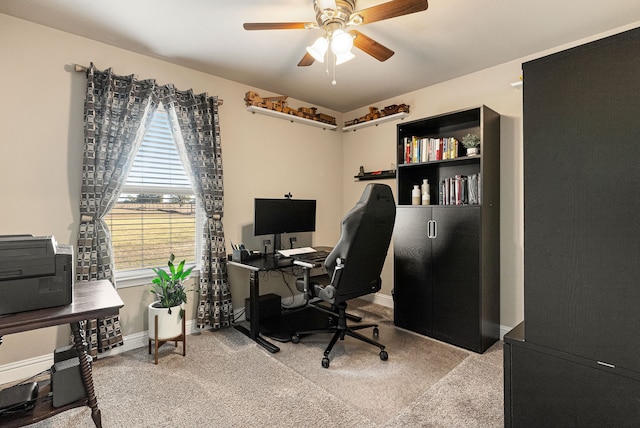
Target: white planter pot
(473,151)
(169,325)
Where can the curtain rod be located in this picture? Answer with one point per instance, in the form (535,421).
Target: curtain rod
(82,69)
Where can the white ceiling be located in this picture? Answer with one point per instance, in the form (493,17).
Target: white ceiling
(450,39)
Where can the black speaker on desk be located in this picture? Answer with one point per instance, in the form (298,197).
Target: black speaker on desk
(270,306)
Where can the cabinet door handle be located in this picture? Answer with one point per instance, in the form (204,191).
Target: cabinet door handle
(432,229)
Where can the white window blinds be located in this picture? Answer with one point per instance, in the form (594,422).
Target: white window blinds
(156,212)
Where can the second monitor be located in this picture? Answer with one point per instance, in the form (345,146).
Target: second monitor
(277,216)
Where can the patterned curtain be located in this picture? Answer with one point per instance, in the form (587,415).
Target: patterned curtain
(115,109)
(196,127)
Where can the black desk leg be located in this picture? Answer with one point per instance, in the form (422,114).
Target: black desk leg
(85,373)
(254,332)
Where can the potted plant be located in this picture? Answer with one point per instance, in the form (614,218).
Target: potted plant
(168,287)
(471,142)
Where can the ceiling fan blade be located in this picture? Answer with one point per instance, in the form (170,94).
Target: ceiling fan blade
(392,9)
(278,25)
(370,46)
(306,60)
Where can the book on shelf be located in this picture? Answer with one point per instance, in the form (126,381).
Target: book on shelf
(425,149)
(460,190)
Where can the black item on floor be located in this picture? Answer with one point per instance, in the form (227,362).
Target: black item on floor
(18,398)
(66,382)
(270,306)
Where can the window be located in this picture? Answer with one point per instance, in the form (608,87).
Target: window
(156,212)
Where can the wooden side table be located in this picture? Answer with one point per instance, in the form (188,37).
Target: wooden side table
(96,299)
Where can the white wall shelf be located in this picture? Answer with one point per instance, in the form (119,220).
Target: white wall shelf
(291,117)
(376,122)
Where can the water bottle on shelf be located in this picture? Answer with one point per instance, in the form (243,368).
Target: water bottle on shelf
(426,196)
(415,195)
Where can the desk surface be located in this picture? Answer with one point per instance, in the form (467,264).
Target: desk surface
(95,299)
(271,262)
(268,262)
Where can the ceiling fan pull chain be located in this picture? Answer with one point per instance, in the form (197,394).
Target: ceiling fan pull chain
(326,61)
(333,63)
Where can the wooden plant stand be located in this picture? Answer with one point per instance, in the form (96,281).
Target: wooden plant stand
(181,338)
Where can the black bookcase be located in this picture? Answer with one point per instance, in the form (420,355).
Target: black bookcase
(582,234)
(447,257)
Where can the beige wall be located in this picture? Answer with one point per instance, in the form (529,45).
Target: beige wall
(41,140)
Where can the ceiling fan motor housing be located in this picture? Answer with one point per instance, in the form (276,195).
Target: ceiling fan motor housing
(331,19)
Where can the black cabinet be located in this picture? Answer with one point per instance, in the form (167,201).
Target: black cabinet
(581,156)
(581,232)
(556,389)
(447,259)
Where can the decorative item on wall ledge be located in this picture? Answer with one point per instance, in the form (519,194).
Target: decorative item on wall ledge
(471,142)
(376,116)
(375,175)
(279,104)
(166,315)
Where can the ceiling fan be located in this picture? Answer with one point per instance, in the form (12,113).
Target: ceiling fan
(335,17)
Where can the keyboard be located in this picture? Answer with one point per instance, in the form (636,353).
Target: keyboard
(311,256)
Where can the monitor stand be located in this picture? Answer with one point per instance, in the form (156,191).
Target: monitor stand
(277,244)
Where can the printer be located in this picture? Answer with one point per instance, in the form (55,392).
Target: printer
(35,273)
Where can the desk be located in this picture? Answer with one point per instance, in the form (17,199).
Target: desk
(96,299)
(255,266)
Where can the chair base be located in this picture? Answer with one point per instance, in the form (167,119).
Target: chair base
(323,308)
(342,330)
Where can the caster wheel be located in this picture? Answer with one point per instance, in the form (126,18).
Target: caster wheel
(376,332)
(325,362)
(383,355)
(295,338)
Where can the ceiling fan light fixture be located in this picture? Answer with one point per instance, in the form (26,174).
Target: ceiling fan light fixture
(341,42)
(318,49)
(344,57)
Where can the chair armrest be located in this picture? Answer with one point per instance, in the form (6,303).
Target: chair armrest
(337,272)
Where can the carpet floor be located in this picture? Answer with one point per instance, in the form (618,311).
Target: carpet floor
(226,380)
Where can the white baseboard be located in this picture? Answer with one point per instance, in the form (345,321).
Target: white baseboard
(379,299)
(504,330)
(24,369)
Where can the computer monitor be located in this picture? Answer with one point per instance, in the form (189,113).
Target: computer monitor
(277,216)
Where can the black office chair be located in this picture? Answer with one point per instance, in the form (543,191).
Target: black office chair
(354,265)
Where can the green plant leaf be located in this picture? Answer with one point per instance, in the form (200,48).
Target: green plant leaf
(168,287)
(188,272)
